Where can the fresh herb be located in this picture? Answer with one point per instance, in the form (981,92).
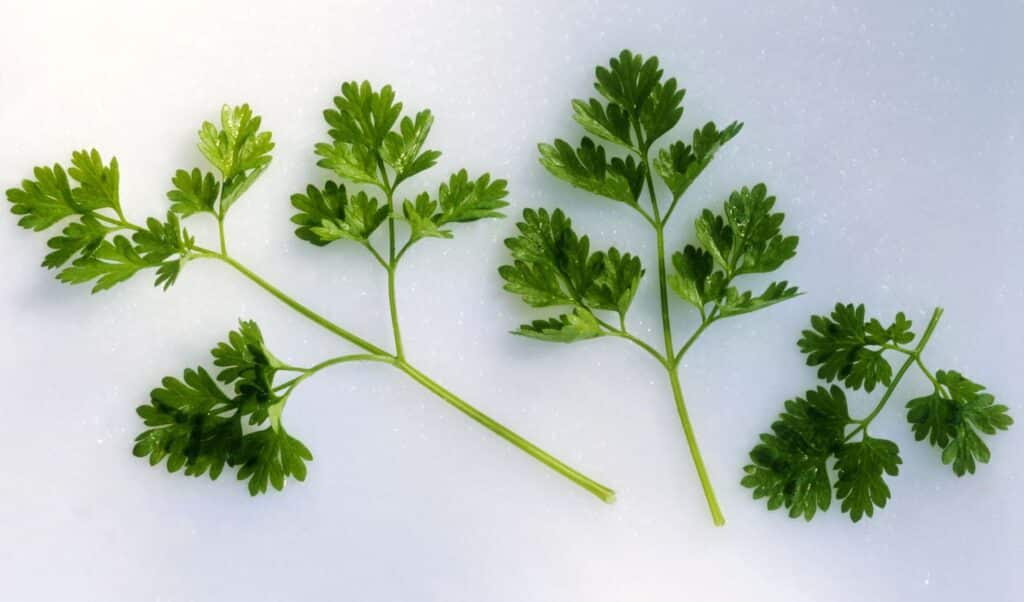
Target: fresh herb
(554,266)
(790,465)
(200,422)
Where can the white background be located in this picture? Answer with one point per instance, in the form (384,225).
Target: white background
(892,135)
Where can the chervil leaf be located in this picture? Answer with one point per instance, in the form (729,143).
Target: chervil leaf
(618,282)
(758,245)
(588,169)
(695,280)
(681,164)
(860,483)
(422,217)
(736,303)
(952,420)
(348,161)
(662,110)
(317,206)
(111,263)
(44,201)
(846,346)
(606,122)
(789,466)
(238,149)
(628,81)
(269,457)
(463,200)
(363,215)
(363,117)
(554,266)
(98,183)
(402,149)
(80,238)
(166,245)
(566,328)
(249,367)
(194,193)
(193,425)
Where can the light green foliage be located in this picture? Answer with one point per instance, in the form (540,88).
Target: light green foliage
(238,149)
(554,266)
(790,463)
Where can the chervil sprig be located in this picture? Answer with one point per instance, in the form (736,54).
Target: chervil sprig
(555,266)
(790,466)
(203,423)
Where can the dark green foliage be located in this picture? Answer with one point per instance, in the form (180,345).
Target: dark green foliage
(847,346)
(196,425)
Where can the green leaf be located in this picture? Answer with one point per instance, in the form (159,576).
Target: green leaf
(165,245)
(954,421)
(662,111)
(736,303)
(363,215)
(609,123)
(696,280)
(617,283)
(554,266)
(44,201)
(716,237)
(628,81)
(758,245)
(111,263)
(192,426)
(463,200)
(846,346)
(351,162)
(363,117)
(80,238)
(789,467)
(681,164)
(98,183)
(860,467)
(588,169)
(566,328)
(194,193)
(238,146)
(402,149)
(239,150)
(269,457)
(422,217)
(316,207)
(248,365)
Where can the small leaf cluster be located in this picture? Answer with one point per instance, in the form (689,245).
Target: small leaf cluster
(84,201)
(98,244)
(790,466)
(373,145)
(203,424)
(554,266)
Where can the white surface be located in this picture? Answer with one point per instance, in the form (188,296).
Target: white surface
(891,135)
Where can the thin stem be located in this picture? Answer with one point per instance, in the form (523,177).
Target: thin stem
(698,460)
(693,338)
(622,334)
(912,357)
(599,490)
(302,309)
(341,359)
(376,255)
(392,260)
(673,375)
(220,233)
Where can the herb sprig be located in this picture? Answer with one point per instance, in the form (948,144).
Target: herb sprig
(202,423)
(790,466)
(555,266)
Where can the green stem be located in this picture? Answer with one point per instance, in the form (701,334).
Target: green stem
(698,460)
(220,233)
(670,352)
(912,357)
(302,309)
(389,191)
(599,490)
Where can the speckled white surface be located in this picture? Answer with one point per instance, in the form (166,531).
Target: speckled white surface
(891,133)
